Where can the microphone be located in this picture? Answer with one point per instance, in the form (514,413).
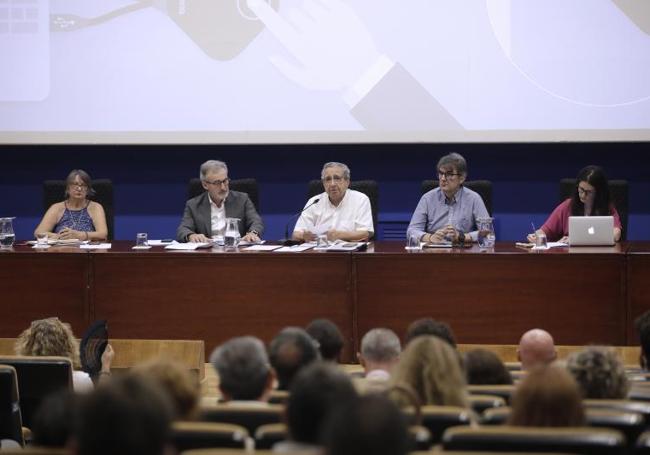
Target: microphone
(287,240)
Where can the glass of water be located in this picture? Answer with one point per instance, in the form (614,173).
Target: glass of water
(41,240)
(413,243)
(540,239)
(141,239)
(7,235)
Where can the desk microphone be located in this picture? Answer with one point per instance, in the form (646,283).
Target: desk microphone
(287,240)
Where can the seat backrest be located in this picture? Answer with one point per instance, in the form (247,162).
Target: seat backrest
(641,407)
(10,419)
(480,403)
(643,444)
(249,417)
(367,187)
(37,378)
(482,187)
(266,436)
(503,391)
(618,192)
(200,435)
(248,186)
(438,418)
(54,191)
(592,441)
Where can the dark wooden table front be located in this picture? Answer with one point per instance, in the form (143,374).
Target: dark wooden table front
(579,294)
(638,276)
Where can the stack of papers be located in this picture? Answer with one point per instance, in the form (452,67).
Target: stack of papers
(188,246)
(294,248)
(342,246)
(95,246)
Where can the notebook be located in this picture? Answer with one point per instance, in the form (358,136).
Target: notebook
(591,230)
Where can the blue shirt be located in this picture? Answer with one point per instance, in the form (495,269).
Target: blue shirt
(77,220)
(435,211)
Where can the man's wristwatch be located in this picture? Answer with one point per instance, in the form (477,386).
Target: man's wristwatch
(461,237)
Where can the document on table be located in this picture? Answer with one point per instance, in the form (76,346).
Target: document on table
(342,246)
(189,246)
(294,248)
(260,247)
(95,246)
(550,245)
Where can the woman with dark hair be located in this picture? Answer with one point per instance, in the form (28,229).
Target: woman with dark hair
(590,198)
(76,217)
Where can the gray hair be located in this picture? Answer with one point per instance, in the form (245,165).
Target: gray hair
(243,367)
(211,165)
(380,345)
(599,373)
(346,169)
(455,160)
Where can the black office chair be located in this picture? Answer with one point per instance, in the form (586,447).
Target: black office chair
(10,419)
(482,187)
(618,191)
(248,186)
(54,191)
(367,187)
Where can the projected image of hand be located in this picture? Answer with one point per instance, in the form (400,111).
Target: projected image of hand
(330,44)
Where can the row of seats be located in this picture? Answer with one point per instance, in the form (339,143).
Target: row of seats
(53,191)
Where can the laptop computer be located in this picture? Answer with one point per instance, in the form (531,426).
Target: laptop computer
(591,230)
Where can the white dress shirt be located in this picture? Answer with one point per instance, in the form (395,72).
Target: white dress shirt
(352,214)
(218,217)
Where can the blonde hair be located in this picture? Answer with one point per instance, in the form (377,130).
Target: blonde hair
(431,368)
(48,337)
(177,382)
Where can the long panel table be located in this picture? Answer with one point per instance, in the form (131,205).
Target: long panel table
(581,295)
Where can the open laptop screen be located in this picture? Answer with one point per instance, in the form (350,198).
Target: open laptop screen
(591,230)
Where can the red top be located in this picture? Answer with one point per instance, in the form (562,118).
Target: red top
(557,225)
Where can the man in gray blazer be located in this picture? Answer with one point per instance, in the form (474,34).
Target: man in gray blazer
(205,215)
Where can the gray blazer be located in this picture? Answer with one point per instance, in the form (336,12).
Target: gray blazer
(196,217)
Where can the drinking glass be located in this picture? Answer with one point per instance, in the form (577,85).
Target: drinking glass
(540,240)
(413,243)
(41,240)
(141,239)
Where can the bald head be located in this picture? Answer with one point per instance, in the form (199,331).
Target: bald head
(536,347)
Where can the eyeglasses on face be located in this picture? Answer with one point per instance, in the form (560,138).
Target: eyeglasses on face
(447,174)
(333,178)
(225,181)
(584,192)
(82,186)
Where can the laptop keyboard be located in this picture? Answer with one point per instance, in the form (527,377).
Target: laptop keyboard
(19,17)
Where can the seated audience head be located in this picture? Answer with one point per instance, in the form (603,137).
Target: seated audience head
(181,386)
(536,347)
(315,392)
(373,425)
(642,325)
(429,326)
(547,397)
(48,337)
(55,419)
(599,373)
(380,350)
(329,337)
(484,367)
(591,192)
(244,370)
(289,351)
(431,368)
(129,415)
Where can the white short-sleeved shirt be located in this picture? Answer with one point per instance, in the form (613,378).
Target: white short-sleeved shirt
(81,382)
(352,214)
(218,217)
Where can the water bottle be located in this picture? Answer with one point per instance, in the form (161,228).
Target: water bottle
(7,235)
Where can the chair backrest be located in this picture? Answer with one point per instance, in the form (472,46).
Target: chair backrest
(279,397)
(482,187)
(503,391)
(249,417)
(641,407)
(618,192)
(37,378)
(248,186)
(592,441)
(367,187)
(643,444)
(480,403)
(10,420)
(438,418)
(266,436)
(201,435)
(54,191)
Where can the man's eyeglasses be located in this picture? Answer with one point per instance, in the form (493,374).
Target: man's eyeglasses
(333,178)
(584,192)
(225,181)
(447,175)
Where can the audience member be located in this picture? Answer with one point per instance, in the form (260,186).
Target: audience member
(289,351)
(243,368)
(373,425)
(642,325)
(547,397)
(329,337)
(315,392)
(484,367)
(55,419)
(599,373)
(430,367)
(51,337)
(380,350)
(429,326)
(536,347)
(181,386)
(129,415)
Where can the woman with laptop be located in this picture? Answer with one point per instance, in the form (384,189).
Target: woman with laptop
(590,198)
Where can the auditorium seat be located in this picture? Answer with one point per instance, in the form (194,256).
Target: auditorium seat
(249,417)
(591,441)
(641,407)
(437,419)
(279,397)
(503,391)
(643,444)
(248,186)
(618,191)
(54,191)
(367,187)
(10,420)
(480,403)
(229,452)
(482,187)
(199,435)
(31,450)
(266,436)
(37,378)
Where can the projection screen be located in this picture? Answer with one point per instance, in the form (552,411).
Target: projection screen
(296,71)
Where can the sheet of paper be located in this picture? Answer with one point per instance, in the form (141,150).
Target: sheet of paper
(142,247)
(294,248)
(189,246)
(97,246)
(158,242)
(262,247)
